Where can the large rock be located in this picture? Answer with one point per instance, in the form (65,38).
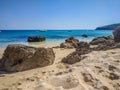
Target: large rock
(101,40)
(72,40)
(66,45)
(36,39)
(82,44)
(70,43)
(116,34)
(83,47)
(21,57)
(72,58)
(108,44)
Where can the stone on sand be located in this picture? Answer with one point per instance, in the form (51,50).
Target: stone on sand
(70,43)
(101,40)
(116,34)
(36,39)
(19,57)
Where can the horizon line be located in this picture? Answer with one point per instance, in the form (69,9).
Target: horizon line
(47,29)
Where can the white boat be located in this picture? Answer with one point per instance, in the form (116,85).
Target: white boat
(43,30)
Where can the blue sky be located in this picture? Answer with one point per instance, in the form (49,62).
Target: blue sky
(58,14)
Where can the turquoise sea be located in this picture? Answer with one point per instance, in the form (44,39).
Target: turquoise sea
(52,36)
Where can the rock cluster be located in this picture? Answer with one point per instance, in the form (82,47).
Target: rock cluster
(83,48)
(107,43)
(21,57)
(36,39)
(99,43)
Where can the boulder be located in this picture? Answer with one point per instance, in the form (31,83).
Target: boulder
(83,47)
(66,45)
(72,58)
(82,44)
(71,40)
(101,40)
(20,57)
(84,35)
(70,43)
(36,39)
(116,34)
(109,44)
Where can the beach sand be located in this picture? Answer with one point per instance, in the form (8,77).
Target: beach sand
(100,70)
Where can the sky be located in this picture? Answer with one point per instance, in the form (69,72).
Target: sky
(58,14)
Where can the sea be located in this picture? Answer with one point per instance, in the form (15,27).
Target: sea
(52,36)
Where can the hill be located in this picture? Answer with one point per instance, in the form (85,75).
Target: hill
(108,27)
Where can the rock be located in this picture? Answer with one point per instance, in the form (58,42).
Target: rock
(108,44)
(66,45)
(70,43)
(36,39)
(71,40)
(104,43)
(110,37)
(20,57)
(87,77)
(73,58)
(116,34)
(83,47)
(114,76)
(117,45)
(84,35)
(56,47)
(101,40)
(97,41)
(102,47)
(104,88)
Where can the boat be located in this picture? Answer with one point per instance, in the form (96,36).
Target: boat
(43,30)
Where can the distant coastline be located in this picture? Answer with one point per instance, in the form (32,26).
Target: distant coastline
(108,27)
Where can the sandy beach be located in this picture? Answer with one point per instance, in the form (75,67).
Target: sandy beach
(59,45)
(100,70)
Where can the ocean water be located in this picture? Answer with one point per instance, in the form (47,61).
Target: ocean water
(52,36)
